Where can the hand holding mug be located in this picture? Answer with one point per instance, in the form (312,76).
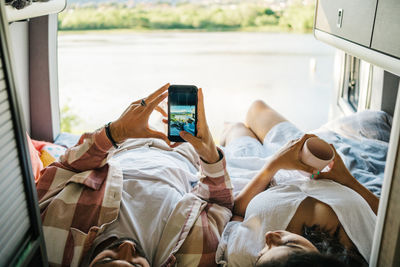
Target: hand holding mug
(288,157)
(338,171)
(316,153)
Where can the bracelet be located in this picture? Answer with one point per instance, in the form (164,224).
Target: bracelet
(108,133)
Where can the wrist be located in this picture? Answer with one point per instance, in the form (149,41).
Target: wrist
(116,133)
(212,157)
(350,181)
(272,166)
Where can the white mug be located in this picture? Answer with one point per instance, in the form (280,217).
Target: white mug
(316,153)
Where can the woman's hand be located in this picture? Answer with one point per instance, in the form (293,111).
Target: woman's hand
(340,174)
(134,122)
(288,157)
(203,143)
(338,171)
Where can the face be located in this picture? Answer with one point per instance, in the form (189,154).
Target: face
(120,253)
(280,244)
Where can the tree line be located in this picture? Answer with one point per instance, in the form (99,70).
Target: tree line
(189,16)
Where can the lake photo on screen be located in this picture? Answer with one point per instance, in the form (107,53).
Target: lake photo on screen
(182,118)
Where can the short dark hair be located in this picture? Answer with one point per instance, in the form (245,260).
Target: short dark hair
(304,259)
(330,245)
(116,243)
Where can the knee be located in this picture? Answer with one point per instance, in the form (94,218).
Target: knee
(233,127)
(238,128)
(257,107)
(239,125)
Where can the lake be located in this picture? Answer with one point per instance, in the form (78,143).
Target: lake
(101,73)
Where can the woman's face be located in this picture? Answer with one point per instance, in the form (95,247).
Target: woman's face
(280,244)
(120,253)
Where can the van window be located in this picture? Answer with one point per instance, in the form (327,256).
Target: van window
(351,82)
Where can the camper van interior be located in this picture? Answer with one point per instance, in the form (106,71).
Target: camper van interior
(364,127)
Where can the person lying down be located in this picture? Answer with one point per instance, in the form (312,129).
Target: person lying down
(134,205)
(283,218)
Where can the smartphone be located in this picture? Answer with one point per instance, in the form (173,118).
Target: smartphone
(182,111)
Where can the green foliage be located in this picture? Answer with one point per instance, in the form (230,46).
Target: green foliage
(185,16)
(298,17)
(69,119)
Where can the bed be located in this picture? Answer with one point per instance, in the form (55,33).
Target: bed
(362,140)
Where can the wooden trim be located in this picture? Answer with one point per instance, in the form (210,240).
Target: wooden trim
(386,245)
(389,254)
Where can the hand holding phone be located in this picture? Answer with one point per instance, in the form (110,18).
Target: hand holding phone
(201,140)
(134,121)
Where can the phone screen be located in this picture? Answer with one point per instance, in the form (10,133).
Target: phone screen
(182,111)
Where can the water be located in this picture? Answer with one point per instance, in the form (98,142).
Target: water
(100,74)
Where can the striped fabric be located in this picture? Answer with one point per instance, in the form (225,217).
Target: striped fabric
(82,193)
(76,195)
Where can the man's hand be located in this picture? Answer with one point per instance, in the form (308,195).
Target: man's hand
(134,122)
(288,157)
(203,143)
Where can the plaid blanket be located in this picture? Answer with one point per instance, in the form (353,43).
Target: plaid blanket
(82,193)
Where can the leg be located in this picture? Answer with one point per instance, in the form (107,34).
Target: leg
(233,131)
(261,118)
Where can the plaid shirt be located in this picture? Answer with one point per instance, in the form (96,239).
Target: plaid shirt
(82,193)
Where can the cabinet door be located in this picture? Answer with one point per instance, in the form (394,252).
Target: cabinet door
(386,36)
(350,19)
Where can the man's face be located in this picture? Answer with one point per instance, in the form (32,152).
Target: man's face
(122,252)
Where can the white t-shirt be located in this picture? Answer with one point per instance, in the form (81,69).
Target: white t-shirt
(154,181)
(274,208)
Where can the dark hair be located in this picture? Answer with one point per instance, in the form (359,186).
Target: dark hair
(330,245)
(116,242)
(332,253)
(304,259)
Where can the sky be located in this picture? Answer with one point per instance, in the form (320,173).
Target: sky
(182,109)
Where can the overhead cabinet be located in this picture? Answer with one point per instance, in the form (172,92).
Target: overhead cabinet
(386,35)
(350,19)
(367,29)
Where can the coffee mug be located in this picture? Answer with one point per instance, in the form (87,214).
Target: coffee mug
(316,153)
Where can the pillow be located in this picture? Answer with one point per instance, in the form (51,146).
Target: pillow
(50,153)
(368,124)
(36,163)
(42,154)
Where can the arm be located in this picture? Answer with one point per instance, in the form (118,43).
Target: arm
(340,174)
(287,158)
(371,199)
(90,152)
(257,185)
(92,149)
(215,185)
